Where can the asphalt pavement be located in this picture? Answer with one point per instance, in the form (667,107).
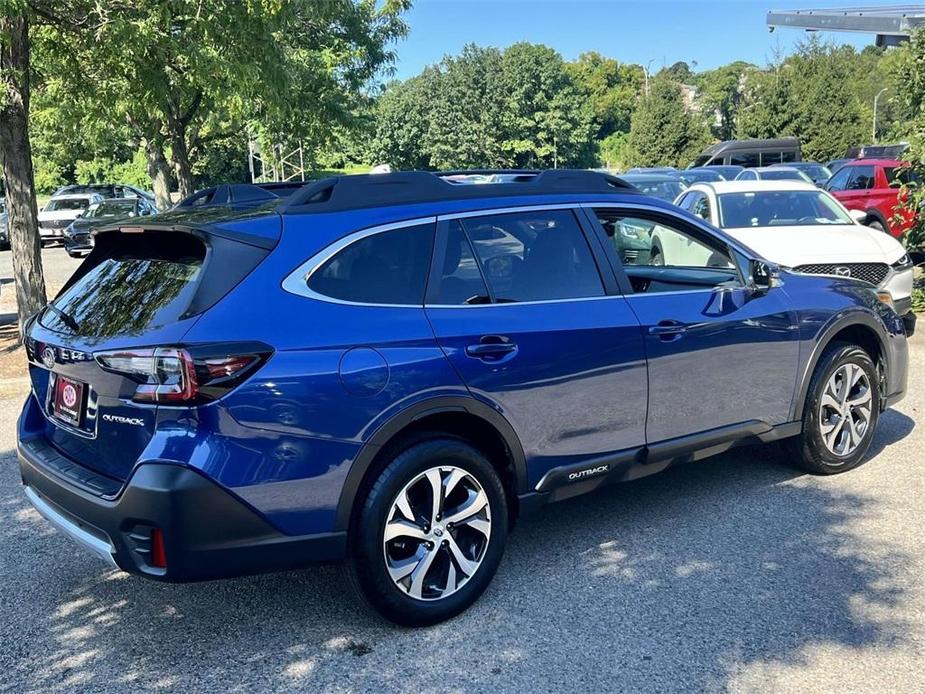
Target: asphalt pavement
(737,573)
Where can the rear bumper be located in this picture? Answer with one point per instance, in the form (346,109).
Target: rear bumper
(208,532)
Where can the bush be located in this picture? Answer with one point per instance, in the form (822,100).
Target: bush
(99,170)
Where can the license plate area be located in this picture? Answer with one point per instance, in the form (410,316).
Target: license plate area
(68,402)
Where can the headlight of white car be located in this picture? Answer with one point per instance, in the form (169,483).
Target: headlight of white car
(903,263)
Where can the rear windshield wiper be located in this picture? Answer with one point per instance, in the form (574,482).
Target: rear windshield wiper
(65,317)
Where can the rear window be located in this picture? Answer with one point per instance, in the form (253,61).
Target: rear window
(143,282)
(385,268)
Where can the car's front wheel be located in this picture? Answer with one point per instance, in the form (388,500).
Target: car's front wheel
(841,412)
(430,534)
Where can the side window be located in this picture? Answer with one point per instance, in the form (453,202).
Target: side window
(747,175)
(461,280)
(839,180)
(787,157)
(746,159)
(862,178)
(686,201)
(534,256)
(662,244)
(701,207)
(385,268)
(768,158)
(897,177)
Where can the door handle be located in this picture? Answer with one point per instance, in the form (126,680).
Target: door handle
(491,347)
(668,330)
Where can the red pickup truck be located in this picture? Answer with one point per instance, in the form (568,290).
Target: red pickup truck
(873,186)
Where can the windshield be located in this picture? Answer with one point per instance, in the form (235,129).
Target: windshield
(111,208)
(784,175)
(60,204)
(817,173)
(779,208)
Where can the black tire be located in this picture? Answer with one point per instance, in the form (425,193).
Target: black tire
(876,225)
(366,561)
(655,257)
(808,450)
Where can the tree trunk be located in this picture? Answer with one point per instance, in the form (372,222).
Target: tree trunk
(159,171)
(179,153)
(16,159)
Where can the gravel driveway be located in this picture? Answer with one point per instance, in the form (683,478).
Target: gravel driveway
(735,573)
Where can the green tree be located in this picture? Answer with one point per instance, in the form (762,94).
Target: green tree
(184,74)
(612,88)
(721,93)
(908,75)
(664,132)
(811,95)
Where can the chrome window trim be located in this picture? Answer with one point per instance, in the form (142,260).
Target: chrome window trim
(296,282)
(491,212)
(529,303)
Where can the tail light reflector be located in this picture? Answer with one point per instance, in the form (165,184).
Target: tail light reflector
(158,552)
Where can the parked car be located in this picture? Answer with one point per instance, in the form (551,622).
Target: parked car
(663,170)
(240,195)
(107,190)
(836,164)
(800,227)
(727,173)
(662,186)
(701,175)
(61,210)
(751,153)
(873,187)
(4,226)
(390,369)
(817,173)
(773,173)
(77,238)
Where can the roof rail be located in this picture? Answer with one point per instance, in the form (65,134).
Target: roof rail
(359,191)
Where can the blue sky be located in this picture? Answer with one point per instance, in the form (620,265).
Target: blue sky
(710,32)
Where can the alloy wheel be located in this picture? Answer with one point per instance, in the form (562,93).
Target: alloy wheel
(845,410)
(437,533)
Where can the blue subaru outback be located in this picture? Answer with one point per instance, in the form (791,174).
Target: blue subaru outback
(391,369)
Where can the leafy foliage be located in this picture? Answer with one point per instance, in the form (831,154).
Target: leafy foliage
(908,71)
(664,131)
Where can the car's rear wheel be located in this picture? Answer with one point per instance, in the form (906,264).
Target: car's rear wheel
(841,412)
(430,534)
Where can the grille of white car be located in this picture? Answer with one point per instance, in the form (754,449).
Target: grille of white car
(868,272)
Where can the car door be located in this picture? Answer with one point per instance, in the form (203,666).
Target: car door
(858,188)
(528,312)
(720,354)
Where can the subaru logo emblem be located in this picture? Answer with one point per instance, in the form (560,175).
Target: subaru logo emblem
(843,271)
(48,358)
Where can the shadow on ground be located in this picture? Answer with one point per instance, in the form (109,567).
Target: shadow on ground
(676,582)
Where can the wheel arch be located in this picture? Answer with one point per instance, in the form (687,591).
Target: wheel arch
(479,424)
(879,217)
(858,328)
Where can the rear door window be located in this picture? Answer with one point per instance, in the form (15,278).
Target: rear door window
(534,256)
(387,268)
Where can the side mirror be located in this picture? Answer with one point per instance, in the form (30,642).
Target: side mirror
(859,216)
(762,276)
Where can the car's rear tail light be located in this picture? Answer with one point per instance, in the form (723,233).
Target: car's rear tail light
(184,375)
(158,551)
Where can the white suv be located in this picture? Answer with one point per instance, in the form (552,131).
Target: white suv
(61,210)
(795,225)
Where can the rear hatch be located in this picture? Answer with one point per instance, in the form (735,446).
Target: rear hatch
(124,313)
